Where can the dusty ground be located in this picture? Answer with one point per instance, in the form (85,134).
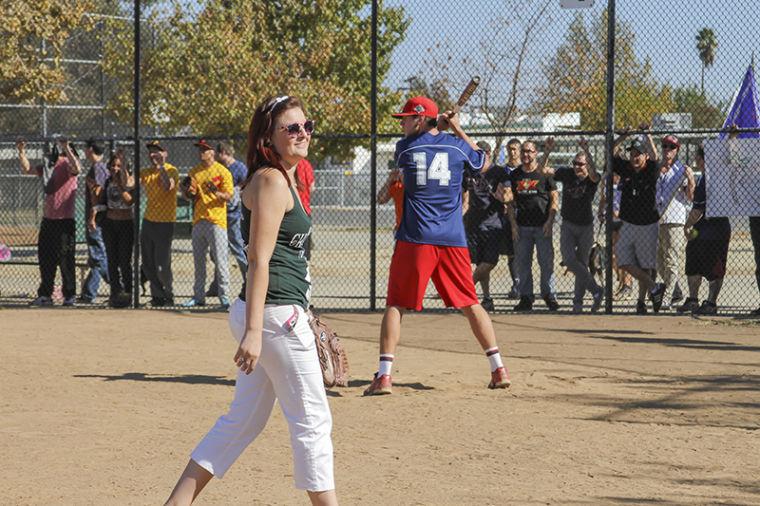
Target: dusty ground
(103,407)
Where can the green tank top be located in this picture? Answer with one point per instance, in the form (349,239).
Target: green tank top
(289,281)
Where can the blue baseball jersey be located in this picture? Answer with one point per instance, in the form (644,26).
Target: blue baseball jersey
(433,168)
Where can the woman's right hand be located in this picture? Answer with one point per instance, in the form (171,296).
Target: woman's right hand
(249,351)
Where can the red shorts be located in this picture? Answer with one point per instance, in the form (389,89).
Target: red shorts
(413,265)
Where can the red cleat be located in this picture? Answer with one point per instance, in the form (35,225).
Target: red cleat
(499,379)
(380,386)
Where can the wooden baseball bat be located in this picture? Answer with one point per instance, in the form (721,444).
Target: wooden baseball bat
(467,93)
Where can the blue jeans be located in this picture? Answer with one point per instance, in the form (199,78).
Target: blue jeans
(97,262)
(529,237)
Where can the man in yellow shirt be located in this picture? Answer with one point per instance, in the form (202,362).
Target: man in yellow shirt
(159,182)
(209,187)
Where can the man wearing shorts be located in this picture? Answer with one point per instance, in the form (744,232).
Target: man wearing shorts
(430,240)
(484,222)
(637,245)
(706,249)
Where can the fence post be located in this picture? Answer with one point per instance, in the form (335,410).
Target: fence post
(373,163)
(608,141)
(136,171)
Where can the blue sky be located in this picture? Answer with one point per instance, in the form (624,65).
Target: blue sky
(665,32)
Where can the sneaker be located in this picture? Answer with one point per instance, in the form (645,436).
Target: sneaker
(525,304)
(487,304)
(120,300)
(655,295)
(42,301)
(193,303)
(379,386)
(707,308)
(598,298)
(212,292)
(625,293)
(224,302)
(676,298)
(551,302)
(641,307)
(689,306)
(69,301)
(83,299)
(756,312)
(157,302)
(499,379)
(513,293)
(577,307)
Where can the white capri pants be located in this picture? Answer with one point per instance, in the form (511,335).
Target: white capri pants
(288,370)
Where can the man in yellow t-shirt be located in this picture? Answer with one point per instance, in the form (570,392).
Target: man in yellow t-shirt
(209,187)
(159,183)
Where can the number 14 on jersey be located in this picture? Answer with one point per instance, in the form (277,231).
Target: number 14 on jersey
(439,168)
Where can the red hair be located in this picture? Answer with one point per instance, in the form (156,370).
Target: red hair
(261,153)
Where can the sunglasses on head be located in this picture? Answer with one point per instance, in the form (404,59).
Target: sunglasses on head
(669,146)
(295,128)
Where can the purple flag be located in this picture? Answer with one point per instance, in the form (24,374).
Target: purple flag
(744,112)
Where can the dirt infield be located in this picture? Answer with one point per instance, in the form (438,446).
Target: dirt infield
(103,407)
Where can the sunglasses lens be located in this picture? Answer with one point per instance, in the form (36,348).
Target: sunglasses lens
(308,126)
(293,128)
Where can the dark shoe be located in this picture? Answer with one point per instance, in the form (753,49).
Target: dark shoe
(707,308)
(525,304)
(676,298)
(598,298)
(83,299)
(212,293)
(70,301)
(487,304)
(690,305)
(513,293)
(756,312)
(655,295)
(641,307)
(551,302)
(157,302)
(121,300)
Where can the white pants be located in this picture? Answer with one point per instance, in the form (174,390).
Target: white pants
(288,370)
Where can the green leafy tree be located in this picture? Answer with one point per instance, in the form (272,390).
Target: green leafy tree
(704,114)
(707,43)
(575,78)
(205,71)
(34,33)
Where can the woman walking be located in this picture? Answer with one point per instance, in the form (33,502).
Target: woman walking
(276,356)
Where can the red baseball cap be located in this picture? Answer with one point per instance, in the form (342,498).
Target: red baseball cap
(671,139)
(203,145)
(418,106)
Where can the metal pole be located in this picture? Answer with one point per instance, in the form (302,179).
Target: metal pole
(608,141)
(136,171)
(373,163)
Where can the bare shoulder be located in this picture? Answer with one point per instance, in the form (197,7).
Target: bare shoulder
(265,180)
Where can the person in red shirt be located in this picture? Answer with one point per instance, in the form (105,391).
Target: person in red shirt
(305,184)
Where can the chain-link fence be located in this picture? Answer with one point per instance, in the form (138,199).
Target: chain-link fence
(543,73)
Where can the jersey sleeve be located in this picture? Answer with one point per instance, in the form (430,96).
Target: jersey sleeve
(474,158)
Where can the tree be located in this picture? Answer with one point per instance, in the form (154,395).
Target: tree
(576,75)
(34,33)
(704,114)
(707,43)
(206,69)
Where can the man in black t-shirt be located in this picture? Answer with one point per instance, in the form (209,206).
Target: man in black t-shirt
(507,245)
(637,246)
(579,184)
(534,203)
(483,221)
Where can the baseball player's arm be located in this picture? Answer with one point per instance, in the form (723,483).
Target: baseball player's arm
(74,166)
(268,197)
(543,165)
(452,120)
(593,174)
(553,207)
(384,195)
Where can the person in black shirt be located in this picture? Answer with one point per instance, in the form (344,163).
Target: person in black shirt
(637,245)
(579,184)
(483,221)
(534,203)
(706,250)
(507,245)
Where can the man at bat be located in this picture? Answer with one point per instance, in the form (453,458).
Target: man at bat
(430,240)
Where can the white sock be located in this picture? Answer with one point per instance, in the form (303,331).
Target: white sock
(494,357)
(386,364)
